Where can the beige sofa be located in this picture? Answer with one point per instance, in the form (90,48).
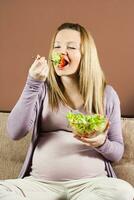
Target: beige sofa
(12,153)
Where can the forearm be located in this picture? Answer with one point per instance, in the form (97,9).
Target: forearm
(111,150)
(21,118)
(113,147)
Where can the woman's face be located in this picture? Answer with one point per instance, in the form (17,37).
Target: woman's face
(67,42)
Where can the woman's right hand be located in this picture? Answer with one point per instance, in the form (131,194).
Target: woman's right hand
(39,69)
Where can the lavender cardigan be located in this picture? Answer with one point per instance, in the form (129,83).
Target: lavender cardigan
(26,114)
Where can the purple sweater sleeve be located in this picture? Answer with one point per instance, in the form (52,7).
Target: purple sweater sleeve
(21,119)
(113,147)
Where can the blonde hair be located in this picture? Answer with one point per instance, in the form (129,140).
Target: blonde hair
(91,77)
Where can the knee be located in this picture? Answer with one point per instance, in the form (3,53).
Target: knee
(3,190)
(125,191)
(3,187)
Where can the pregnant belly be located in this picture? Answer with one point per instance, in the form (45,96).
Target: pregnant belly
(59,156)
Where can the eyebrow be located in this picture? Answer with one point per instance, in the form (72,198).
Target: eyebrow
(67,42)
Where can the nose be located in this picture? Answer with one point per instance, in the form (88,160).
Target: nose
(63,50)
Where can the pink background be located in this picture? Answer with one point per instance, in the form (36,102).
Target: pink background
(26,28)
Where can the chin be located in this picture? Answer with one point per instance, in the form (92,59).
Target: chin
(65,71)
(62,73)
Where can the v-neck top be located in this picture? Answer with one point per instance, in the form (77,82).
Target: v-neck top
(58,155)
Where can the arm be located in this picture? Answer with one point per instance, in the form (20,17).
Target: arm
(113,147)
(109,143)
(22,117)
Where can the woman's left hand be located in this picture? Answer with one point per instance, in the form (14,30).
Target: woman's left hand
(95,141)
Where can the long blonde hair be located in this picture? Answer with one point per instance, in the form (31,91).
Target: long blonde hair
(91,77)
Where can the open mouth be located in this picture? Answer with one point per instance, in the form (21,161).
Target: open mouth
(63,62)
(60,60)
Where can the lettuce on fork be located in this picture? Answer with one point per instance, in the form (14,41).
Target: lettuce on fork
(87,125)
(56,57)
(59,60)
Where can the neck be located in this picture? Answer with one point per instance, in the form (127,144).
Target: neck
(71,91)
(70,84)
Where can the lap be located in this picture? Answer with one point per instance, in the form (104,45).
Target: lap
(102,188)
(30,189)
(105,188)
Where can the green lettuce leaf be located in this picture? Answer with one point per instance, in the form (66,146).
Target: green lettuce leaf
(56,57)
(87,124)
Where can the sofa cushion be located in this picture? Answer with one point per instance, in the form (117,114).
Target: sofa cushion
(125,167)
(12,152)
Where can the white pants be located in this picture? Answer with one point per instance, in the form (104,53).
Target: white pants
(101,188)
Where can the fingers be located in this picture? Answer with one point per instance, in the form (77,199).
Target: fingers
(82,139)
(93,142)
(39,69)
(38,57)
(44,71)
(39,61)
(42,60)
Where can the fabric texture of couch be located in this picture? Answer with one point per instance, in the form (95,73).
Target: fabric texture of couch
(13,152)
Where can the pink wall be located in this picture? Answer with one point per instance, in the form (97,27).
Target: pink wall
(26,28)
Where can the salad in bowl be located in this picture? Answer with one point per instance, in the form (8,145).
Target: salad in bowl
(87,125)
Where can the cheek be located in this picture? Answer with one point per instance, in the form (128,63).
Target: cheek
(75,58)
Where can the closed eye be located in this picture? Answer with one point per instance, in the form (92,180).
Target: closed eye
(71,47)
(57,47)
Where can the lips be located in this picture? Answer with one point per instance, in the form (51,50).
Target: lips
(63,61)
